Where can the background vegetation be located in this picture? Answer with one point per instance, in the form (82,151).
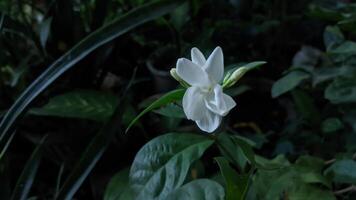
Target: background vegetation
(74,74)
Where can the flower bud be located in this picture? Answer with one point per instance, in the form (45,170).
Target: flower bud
(231,79)
(174,74)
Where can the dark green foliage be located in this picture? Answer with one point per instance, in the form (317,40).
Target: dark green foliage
(92,77)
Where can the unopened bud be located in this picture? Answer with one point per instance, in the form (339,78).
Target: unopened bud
(230,80)
(174,74)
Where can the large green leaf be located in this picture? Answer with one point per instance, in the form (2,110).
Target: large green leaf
(24,182)
(161,166)
(96,39)
(235,185)
(343,171)
(288,82)
(200,189)
(170,97)
(84,104)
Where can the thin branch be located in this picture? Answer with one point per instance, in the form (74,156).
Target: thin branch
(351,188)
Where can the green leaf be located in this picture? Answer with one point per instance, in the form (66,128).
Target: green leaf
(236,185)
(118,186)
(331,125)
(288,82)
(96,39)
(306,106)
(344,53)
(310,170)
(324,74)
(180,16)
(279,162)
(171,110)
(246,149)
(341,90)
(292,182)
(322,13)
(170,97)
(24,182)
(236,73)
(343,171)
(309,192)
(235,149)
(200,189)
(44,31)
(93,105)
(230,150)
(332,36)
(161,166)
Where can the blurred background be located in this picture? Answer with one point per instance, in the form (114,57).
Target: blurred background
(301,102)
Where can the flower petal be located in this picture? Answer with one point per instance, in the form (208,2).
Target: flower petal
(218,102)
(192,73)
(210,122)
(193,103)
(214,66)
(198,57)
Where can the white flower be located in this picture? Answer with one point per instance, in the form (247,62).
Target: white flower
(204,101)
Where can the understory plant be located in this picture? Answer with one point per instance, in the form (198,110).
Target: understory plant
(113,100)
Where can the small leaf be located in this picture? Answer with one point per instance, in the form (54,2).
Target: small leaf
(288,82)
(161,166)
(86,104)
(28,174)
(344,53)
(44,31)
(200,189)
(331,125)
(341,90)
(236,185)
(306,106)
(332,36)
(170,97)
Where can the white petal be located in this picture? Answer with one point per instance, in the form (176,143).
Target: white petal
(197,57)
(214,66)
(218,102)
(193,104)
(210,122)
(192,73)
